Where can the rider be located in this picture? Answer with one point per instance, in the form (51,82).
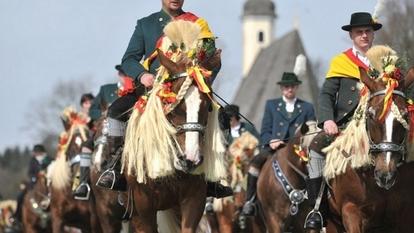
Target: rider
(281,118)
(136,79)
(338,99)
(106,95)
(237,127)
(234,128)
(39,162)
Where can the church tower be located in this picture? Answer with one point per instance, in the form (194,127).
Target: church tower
(258,23)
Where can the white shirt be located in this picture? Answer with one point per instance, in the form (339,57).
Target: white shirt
(360,56)
(290,104)
(235,131)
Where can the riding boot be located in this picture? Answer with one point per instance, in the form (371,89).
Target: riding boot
(112,178)
(217,190)
(82,192)
(314,219)
(249,208)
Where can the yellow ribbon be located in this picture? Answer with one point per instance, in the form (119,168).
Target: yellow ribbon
(391,85)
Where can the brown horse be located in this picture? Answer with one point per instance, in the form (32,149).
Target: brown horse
(227,211)
(65,210)
(36,207)
(108,209)
(377,197)
(284,206)
(182,134)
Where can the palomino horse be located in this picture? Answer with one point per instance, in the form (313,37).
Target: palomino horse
(281,184)
(36,207)
(369,197)
(174,128)
(227,210)
(65,210)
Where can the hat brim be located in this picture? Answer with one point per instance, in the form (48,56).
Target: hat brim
(375,26)
(289,83)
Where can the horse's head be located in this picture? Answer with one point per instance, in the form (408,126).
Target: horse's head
(387,122)
(190,113)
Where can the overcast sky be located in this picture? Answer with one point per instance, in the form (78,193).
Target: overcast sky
(44,41)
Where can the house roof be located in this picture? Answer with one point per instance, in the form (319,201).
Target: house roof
(260,83)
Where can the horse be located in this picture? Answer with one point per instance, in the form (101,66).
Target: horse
(109,211)
(227,210)
(371,196)
(36,207)
(65,210)
(7,209)
(180,144)
(281,184)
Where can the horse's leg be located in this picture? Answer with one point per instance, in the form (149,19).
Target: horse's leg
(144,223)
(57,224)
(192,207)
(274,223)
(352,218)
(225,217)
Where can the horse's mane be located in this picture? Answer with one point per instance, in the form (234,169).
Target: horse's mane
(239,156)
(151,144)
(351,147)
(60,171)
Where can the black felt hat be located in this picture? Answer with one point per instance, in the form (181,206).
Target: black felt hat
(361,19)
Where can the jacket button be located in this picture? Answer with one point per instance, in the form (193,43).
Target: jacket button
(296,125)
(353,88)
(349,102)
(278,134)
(281,123)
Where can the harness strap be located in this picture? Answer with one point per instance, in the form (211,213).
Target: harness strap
(190,126)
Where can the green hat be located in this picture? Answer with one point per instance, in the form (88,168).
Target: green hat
(361,19)
(289,78)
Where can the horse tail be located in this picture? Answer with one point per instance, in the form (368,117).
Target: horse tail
(168,221)
(60,173)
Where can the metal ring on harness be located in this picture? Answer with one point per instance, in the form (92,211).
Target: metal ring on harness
(296,196)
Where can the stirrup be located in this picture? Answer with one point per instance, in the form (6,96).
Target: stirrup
(209,208)
(110,172)
(87,194)
(312,213)
(249,208)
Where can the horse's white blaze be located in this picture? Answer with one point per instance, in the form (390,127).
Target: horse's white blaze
(192,103)
(389,123)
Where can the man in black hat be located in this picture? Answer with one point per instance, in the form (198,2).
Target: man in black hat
(338,99)
(281,118)
(237,127)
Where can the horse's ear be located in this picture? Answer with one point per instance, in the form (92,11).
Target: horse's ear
(304,128)
(171,66)
(370,83)
(409,78)
(66,125)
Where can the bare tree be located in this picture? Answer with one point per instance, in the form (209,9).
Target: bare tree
(43,120)
(398,27)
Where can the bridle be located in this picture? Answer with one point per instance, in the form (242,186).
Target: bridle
(388,146)
(188,126)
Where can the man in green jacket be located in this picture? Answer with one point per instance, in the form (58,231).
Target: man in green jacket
(136,78)
(338,99)
(107,94)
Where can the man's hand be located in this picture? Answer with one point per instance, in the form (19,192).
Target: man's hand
(147,79)
(330,127)
(275,143)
